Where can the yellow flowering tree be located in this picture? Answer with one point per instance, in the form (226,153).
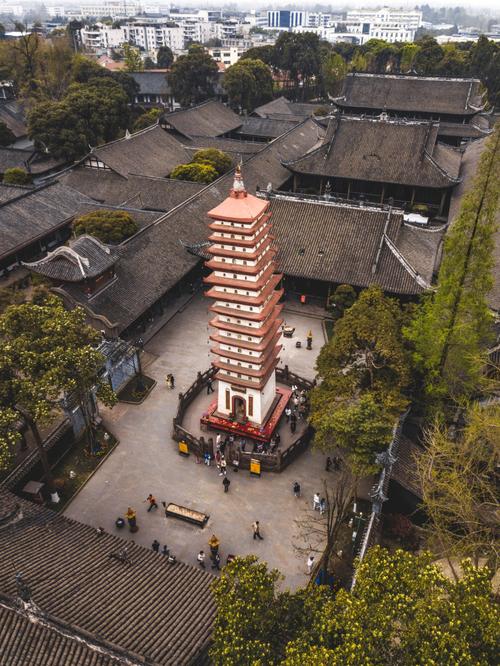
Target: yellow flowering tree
(402,610)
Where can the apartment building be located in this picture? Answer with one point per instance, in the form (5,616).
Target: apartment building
(227,55)
(99,37)
(150,35)
(410,19)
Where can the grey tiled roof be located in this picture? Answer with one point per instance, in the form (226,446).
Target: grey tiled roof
(282,109)
(411,93)
(86,257)
(265,127)
(151,152)
(160,244)
(343,243)
(383,151)
(36,213)
(160,611)
(12,114)
(151,83)
(135,191)
(30,638)
(208,119)
(11,158)
(232,146)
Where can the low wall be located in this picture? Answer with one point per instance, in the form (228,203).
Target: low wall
(269,462)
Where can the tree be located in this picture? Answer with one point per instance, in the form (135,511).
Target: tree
(147,119)
(364,375)
(263,53)
(17,176)
(133,60)
(109,226)
(341,300)
(220,161)
(197,173)
(408,55)
(298,54)
(193,76)
(463,517)
(429,56)
(320,533)
(402,611)
(149,63)
(452,329)
(89,115)
(248,83)
(333,72)
(164,57)
(47,352)
(6,136)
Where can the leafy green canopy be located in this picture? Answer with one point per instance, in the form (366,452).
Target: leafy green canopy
(109,226)
(195,172)
(402,611)
(364,375)
(193,76)
(88,115)
(46,351)
(17,176)
(147,119)
(164,57)
(452,329)
(248,83)
(220,161)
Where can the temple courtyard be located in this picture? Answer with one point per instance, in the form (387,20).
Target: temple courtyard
(147,461)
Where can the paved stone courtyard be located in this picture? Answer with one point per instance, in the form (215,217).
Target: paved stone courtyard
(147,460)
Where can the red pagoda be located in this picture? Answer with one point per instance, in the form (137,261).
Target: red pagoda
(246,316)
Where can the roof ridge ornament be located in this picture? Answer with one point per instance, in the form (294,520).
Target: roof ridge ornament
(238,189)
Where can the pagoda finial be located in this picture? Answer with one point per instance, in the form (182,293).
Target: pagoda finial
(238,184)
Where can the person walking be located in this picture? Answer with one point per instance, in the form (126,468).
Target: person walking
(293,422)
(218,440)
(223,466)
(310,564)
(156,545)
(316,502)
(256,531)
(296,489)
(152,502)
(328,464)
(288,413)
(206,459)
(225,483)
(309,340)
(201,559)
(165,551)
(322,505)
(210,386)
(218,459)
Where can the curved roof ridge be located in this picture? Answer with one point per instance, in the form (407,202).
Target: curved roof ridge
(405,263)
(441,170)
(62,251)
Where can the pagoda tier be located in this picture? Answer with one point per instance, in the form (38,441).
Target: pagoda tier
(246,308)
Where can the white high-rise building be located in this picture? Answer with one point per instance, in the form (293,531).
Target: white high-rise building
(410,19)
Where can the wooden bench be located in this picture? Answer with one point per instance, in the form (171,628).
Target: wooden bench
(189,515)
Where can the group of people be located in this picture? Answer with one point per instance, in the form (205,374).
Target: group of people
(335,462)
(319,503)
(170,381)
(297,408)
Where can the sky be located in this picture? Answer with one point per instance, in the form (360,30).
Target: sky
(343,4)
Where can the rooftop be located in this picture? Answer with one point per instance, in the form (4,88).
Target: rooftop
(35,213)
(282,109)
(412,93)
(347,243)
(151,152)
(86,257)
(382,150)
(141,608)
(208,119)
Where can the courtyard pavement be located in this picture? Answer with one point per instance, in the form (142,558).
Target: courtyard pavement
(147,461)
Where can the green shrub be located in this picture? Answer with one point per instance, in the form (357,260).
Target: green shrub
(195,172)
(421,209)
(16,176)
(147,119)
(220,161)
(109,226)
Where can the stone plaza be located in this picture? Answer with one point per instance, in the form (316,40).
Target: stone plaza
(147,461)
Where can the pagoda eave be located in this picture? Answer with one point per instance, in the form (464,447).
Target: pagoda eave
(245,300)
(248,285)
(246,330)
(241,268)
(268,341)
(249,316)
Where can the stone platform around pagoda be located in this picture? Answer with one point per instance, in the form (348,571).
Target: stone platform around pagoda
(213,420)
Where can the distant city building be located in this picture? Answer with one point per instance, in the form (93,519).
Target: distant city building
(150,35)
(227,55)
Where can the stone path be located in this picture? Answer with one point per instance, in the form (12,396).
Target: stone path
(147,460)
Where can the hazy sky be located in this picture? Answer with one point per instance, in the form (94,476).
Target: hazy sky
(337,6)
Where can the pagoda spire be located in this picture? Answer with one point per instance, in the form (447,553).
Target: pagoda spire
(238,189)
